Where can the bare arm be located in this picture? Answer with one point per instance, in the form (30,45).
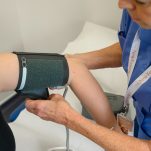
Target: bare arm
(59,111)
(86,87)
(89,92)
(9,71)
(103,58)
(109,140)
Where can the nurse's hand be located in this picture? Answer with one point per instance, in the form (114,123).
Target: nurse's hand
(54,109)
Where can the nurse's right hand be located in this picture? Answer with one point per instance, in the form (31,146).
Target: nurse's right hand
(54,109)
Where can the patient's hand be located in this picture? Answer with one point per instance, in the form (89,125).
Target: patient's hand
(54,109)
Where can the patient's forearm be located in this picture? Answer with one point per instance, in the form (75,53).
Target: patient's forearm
(103,58)
(90,94)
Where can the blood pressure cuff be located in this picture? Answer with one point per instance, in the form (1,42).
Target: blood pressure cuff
(41,70)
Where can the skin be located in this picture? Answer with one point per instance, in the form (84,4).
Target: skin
(139,10)
(8,61)
(58,110)
(90,93)
(61,112)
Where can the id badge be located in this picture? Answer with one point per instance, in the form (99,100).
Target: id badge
(124,123)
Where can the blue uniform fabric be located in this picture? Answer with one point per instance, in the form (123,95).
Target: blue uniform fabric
(142,98)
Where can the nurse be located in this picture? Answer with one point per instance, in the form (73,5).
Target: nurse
(133,52)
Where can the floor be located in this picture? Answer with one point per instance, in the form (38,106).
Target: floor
(33,134)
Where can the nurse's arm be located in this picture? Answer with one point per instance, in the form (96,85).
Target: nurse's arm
(103,58)
(59,111)
(106,138)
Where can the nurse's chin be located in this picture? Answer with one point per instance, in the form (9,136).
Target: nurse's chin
(143,25)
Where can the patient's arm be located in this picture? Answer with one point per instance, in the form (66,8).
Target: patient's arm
(85,86)
(80,79)
(90,93)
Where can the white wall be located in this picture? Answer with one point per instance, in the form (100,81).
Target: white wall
(10,39)
(103,12)
(9,28)
(48,25)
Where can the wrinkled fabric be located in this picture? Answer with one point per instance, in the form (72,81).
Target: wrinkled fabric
(142,98)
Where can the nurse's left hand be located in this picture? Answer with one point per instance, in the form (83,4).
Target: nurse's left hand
(54,109)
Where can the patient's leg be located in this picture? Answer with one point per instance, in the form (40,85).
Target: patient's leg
(90,93)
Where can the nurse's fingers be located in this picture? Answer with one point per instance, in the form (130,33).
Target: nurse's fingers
(45,109)
(56,109)
(35,106)
(40,108)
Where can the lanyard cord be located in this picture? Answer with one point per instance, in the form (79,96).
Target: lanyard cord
(133,55)
(131,65)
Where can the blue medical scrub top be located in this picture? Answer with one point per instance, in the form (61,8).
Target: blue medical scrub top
(142,98)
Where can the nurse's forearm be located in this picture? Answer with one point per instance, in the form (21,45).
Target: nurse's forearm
(109,140)
(107,57)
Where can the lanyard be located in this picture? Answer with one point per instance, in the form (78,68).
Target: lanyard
(131,65)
